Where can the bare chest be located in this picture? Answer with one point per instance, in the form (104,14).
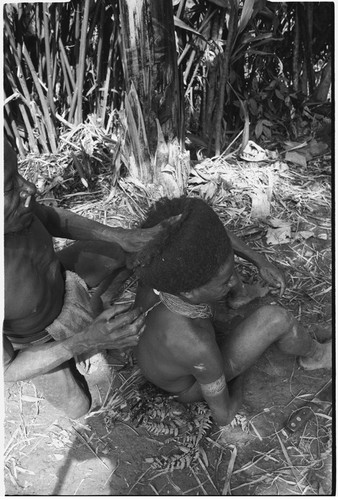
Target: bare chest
(33,280)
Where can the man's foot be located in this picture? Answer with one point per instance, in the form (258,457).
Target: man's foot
(322,358)
(246,295)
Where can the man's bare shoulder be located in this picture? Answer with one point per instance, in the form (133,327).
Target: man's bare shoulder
(179,330)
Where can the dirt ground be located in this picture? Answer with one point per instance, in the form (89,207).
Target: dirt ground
(103,454)
(49,454)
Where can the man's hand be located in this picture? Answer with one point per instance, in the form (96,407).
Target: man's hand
(114,329)
(269,272)
(272,275)
(141,237)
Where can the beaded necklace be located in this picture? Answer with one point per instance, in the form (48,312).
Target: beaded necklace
(179,306)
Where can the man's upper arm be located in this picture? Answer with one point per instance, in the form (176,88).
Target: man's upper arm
(207,363)
(42,212)
(57,221)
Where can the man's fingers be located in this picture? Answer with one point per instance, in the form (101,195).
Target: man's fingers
(120,308)
(127,336)
(130,317)
(117,316)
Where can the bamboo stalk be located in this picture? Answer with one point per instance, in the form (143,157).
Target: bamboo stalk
(39,24)
(31,138)
(107,80)
(15,131)
(66,82)
(49,64)
(99,58)
(64,57)
(55,23)
(48,122)
(73,107)
(295,55)
(224,75)
(82,61)
(21,79)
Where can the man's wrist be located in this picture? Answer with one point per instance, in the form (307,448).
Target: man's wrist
(78,344)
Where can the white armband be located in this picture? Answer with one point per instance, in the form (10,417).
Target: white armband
(214,388)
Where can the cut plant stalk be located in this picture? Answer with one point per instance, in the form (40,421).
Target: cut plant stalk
(49,125)
(10,120)
(82,62)
(49,64)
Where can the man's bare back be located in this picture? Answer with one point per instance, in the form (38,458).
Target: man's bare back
(162,345)
(189,272)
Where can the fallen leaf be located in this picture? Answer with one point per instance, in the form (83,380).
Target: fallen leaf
(279,235)
(297,158)
(260,208)
(253,152)
(303,235)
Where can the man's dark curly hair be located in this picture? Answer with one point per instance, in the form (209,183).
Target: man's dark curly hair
(186,254)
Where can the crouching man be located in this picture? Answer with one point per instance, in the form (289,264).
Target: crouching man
(49,320)
(183,274)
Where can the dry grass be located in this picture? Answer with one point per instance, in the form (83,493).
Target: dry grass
(298,197)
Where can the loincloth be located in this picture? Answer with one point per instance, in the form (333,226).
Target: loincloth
(75,316)
(76,312)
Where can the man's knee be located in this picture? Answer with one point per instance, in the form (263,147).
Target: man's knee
(65,389)
(78,408)
(277,317)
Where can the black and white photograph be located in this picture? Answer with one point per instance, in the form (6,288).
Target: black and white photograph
(168,240)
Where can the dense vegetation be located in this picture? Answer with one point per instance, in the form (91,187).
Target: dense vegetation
(251,61)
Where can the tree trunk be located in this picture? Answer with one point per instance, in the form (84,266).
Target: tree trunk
(295,55)
(153,90)
(322,91)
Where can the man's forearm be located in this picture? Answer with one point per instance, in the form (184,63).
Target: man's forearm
(37,360)
(224,399)
(242,250)
(217,396)
(65,224)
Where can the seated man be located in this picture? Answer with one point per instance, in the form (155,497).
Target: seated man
(183,274)
(45,305)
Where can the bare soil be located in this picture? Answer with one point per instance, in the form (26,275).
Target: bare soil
(49,454)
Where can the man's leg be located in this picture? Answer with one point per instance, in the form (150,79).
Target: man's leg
(250,338)
(65,389)
(266,326)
